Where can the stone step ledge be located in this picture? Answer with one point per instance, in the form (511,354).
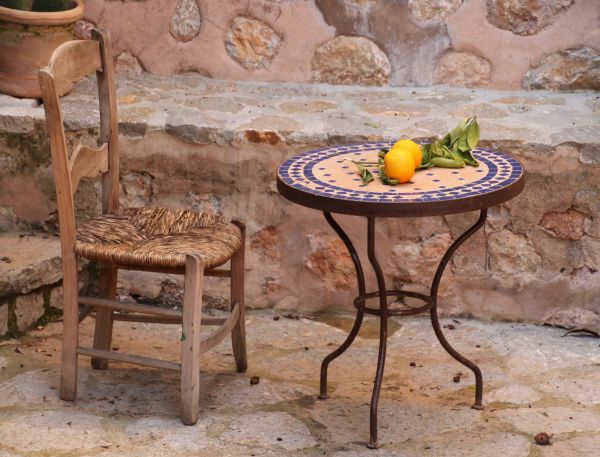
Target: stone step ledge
(30,281)
(201,110)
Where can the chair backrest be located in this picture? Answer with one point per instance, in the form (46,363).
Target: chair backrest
(71,62)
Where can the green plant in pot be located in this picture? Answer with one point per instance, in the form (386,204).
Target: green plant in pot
(38,5)
(30,30)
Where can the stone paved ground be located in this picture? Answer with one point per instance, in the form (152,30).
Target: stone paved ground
(535,380)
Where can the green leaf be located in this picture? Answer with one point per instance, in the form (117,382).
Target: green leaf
(364,173)
(385,179)
(446,152)
(436,150)
(50,5)
(467,156)
(426,150)
(457,157)
(425,165)
(443,162)
(455,134)
(473,135)
(22,5)
(462,142)
(446,140)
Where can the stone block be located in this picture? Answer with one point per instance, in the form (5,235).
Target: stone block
(566,70)
(415,262)
(517,394)
(512,258)
(329,261)
(28,309)
(83,29)
(56,298)
(351,60)
(525,18)
(277,429)
(186,20)
(568,225)
(410,48)
(8,219)
(128,64)
(34,262)
(3,319)
(431,11)
(66,431)
(554,419)
(574,318)
(268,240)
(578,445)
(460,68)
(136,189)
(251,43)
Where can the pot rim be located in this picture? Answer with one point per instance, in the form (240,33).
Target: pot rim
(43,18)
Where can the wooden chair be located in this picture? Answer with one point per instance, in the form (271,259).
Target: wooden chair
(147,239)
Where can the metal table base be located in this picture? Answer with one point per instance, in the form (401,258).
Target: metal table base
(383,312)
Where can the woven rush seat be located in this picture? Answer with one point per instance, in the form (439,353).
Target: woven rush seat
(157,238)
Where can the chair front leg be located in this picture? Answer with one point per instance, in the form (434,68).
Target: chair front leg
(238,333)
(68,379)
(104,316)
(190,340)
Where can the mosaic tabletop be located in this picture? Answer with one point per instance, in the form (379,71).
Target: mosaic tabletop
(327,179)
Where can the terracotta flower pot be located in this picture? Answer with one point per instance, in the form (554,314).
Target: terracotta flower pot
(27,40)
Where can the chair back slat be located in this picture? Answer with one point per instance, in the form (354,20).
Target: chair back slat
(69,63)
(87,162)
(109,127)
(60,164)
(72,62)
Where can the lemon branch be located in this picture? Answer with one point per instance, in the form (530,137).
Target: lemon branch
(454,150)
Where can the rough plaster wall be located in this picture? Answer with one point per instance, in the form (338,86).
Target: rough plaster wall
(414,35)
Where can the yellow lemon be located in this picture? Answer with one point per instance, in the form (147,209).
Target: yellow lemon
(399,164)
(414,149)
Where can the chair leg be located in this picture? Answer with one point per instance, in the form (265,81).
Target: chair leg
(68,379)
(238,333)
(104,316)
(190,340)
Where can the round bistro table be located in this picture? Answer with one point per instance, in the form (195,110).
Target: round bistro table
(326,180)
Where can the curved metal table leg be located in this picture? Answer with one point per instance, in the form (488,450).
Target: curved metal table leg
(361,308)
(433,312)
(373,444)
(384,314)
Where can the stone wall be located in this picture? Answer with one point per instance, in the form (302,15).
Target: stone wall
(194,142)
(493,43)
(30,279)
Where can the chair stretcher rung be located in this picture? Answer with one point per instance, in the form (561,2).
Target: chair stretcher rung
(217,272)
(129,358)
(163,319)
(134,308)
(217,336)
